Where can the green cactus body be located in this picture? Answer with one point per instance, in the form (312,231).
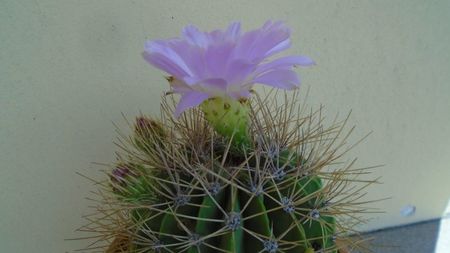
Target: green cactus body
(264,194)
(234,220)
(229,117)
(283,216)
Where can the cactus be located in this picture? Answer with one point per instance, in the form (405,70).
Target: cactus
(182,185)
(232,172)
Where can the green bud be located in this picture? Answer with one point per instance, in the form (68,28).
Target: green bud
(230,118)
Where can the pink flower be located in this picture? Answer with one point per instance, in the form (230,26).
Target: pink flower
(225,63)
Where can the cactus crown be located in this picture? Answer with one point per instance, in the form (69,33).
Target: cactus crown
(180,185)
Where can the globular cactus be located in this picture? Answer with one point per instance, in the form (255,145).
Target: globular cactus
(181,185)
(232,172)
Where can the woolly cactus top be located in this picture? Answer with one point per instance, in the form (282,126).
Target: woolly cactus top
(225,63)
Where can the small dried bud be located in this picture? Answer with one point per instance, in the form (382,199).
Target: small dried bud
(127,182)
(147,128)
(120,174)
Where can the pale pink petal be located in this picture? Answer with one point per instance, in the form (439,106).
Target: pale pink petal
(245,44)
(234,31)
(216,59)
(194,36)
(279,78)
(264,42)
(271,42)
(189,100)
(241,93)
(284,62)
(283,45)
(163,63)
(216,36)
(279,34)
(192,56)
(238,71)
(164,50)
(179,86)
(216,86)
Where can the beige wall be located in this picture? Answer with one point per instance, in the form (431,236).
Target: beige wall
(69,68)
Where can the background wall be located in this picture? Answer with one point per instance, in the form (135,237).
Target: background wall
(69,68)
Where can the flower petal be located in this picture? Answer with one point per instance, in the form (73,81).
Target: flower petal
(191,55)
(238,92)
(216,59)
(160,54)
(189,100)
(162,63)
(239,70)
(284,62)
(279,78)
(214,86)
(280,34)
(264,42)
(194,36)
(178,86)
(283,45)
(274,41)
(234,31)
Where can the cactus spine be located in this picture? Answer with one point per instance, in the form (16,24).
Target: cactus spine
(181,187)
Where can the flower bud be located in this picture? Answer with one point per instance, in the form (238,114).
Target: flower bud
(148,133)
(128,183)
